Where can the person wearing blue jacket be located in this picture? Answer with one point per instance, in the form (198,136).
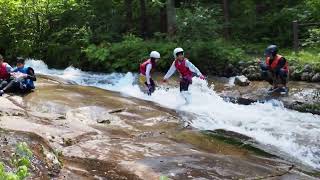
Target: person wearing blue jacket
(23,78)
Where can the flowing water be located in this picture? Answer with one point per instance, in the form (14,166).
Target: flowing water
(291,134)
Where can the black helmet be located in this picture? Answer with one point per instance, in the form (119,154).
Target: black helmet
(271,50)
(20,60)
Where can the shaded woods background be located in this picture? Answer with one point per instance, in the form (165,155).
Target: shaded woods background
(116,35)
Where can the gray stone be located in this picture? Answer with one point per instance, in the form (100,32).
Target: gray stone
(316,78)
(291,70)
(307,68)
(245,71)
(51,161)
(107,121)
(306,76)
(242,81)
(296,75)
(242,63)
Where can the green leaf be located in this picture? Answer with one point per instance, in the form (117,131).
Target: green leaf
(22,172)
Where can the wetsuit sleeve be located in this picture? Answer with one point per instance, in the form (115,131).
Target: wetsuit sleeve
(9,68)
(193,68)
(281,64)
(170,72)
(31,74)
(148,70)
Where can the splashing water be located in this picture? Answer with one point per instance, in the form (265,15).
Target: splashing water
(295,134)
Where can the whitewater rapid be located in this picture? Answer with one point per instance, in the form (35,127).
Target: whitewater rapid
(295,134)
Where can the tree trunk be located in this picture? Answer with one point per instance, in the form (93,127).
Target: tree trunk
(226,19)
(128,5)
(36,16)
(163,19)
(144,19)
(171,17)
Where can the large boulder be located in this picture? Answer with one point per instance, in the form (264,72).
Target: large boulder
(316,78)
(230,70)
(252,72)
(307,68)
(292,69)
(296,74)
(306,76)
(241,81)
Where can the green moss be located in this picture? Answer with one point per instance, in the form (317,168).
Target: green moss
(236,142)
(217,143)
(309,108)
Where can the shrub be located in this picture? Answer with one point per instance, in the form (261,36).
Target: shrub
(21,160)
(127,55)
(213,56)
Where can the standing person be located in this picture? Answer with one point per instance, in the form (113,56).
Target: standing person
(5,70)
(186,70)
(145,72)
(22,78)
(275,70)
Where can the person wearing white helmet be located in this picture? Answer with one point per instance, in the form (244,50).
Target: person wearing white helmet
(145,72)
(185,68)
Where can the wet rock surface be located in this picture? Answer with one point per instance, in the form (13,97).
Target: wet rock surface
(80,132)
(241,81)
(302,96)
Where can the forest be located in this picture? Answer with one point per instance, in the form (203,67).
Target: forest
(116,35)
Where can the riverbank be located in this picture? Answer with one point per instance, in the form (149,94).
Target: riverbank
(97,133)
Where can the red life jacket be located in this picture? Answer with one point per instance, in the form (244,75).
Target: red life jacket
(275,62)
(143,66)
(3,71)
(183,69)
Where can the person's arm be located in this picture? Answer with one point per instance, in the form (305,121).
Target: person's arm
(31,75)
(281,64)
(148,70)
(9,68)
(193,68)
(170,71)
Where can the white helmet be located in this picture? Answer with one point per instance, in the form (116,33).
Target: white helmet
(176,51)
(155,54)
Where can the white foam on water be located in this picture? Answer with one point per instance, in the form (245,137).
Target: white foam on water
(293,133)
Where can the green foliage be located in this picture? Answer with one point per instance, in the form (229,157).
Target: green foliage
(164,178)
(21,160)
(213,56)
(128,54)
(314,38)
(199,22)
(65,46)
(312,7)
(2,171)
(97,53)
(100,35)
(310,56)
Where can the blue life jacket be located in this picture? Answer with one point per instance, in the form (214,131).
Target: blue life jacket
(28,82)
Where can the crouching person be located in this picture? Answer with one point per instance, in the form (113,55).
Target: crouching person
(5,70)
(23,78)
(275,70)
